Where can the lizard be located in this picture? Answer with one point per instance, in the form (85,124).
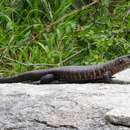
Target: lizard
(74,74)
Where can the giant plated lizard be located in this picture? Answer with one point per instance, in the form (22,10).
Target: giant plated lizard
(74,74)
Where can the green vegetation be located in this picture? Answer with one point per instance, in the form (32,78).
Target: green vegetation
(37,34)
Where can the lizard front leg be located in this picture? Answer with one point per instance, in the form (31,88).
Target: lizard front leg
(107,76)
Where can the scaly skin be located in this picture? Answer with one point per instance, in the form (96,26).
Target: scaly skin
(75,74)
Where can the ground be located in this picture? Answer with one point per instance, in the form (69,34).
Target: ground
(62,106)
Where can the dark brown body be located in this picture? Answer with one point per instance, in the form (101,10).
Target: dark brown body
(74,74)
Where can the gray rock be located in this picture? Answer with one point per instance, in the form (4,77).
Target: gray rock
(119,116)
(62,106)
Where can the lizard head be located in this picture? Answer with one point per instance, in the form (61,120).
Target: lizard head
(125,60)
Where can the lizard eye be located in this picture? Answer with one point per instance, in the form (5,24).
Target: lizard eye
(120,60)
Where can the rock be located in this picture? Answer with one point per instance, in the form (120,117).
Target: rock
(119,116)
(62,106)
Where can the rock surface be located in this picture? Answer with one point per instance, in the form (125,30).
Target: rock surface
(119,116)
(62,106)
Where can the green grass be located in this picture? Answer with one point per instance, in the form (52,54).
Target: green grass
(37,34)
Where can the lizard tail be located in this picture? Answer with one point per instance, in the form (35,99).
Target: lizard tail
(27,76)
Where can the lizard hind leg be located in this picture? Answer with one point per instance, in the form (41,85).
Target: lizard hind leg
(48,78)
